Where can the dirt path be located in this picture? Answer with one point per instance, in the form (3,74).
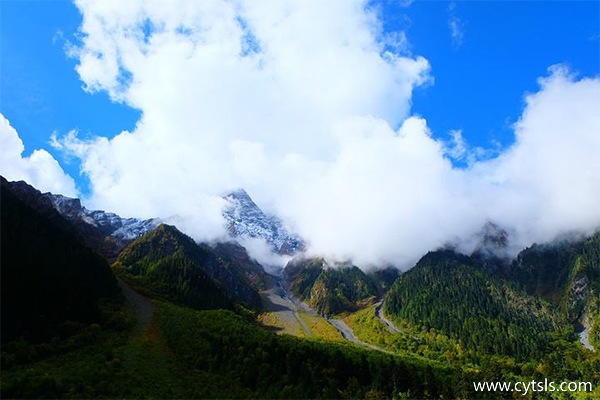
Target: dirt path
(142,306)
(348,334)
(390,325)
(392,328)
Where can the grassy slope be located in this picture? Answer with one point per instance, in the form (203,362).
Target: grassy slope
(318,326)
(368,328)
(270,321)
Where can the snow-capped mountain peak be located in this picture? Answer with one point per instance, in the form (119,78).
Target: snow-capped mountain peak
(246,220)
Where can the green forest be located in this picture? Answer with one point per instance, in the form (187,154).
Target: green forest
(445,291)
(68,331)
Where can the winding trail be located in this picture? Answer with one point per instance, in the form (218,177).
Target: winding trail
(348,334)
(144,310)
(346,331)
(390,325)
(392,328)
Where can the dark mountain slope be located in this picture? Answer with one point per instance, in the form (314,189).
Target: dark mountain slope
(43,203)
(556,271)
(170,264)
(40,203)
(235,259)
(582,300)
(48,275)
(451,294)
(543,270)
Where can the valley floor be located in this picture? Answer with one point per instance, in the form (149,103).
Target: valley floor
(286,314)
(281,313)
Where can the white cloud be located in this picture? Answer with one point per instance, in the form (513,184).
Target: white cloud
(216,116)
(39,169)
(456,31)
(456,26)
(456,149)
(260,251)
(299,103)
(387,196)
(549,181)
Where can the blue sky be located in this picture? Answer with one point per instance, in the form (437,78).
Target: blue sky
(479,78)
(317,123)
(40,91)
(506,45)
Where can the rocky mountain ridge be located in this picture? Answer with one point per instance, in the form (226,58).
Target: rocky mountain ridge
(108,223)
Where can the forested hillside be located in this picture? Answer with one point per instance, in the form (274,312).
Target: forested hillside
(216,354)
(448,292)
(66,331)
(167,263)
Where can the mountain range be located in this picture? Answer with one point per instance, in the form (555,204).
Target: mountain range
(452,318)
(109,233)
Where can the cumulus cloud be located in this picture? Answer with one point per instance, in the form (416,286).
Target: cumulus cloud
(231,94)
(304,105)
(39,169)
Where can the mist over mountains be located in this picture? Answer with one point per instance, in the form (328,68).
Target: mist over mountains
(389,196)
(263,236)
(348,166)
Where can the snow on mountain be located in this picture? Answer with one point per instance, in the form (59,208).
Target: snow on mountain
(110,224)
(246,220)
